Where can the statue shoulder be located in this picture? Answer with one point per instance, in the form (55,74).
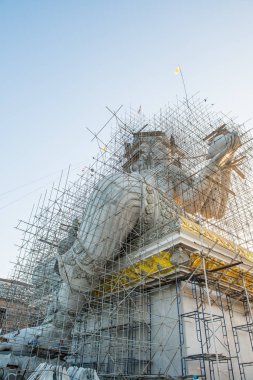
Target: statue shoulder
(118,178)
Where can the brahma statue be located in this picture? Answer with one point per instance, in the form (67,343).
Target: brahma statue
(129,202)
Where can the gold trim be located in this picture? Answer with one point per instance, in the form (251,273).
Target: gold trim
(229,245)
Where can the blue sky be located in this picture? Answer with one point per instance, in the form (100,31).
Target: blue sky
(63,61)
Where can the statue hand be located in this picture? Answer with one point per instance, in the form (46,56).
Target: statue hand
(223,147)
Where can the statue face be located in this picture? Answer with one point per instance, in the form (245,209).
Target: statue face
(149,151)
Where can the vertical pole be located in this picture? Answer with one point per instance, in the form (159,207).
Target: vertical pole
(183,81)
(211,315)
(180,326)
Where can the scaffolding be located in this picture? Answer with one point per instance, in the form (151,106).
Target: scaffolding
(147,317)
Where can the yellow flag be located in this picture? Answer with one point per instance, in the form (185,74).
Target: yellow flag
(177,71)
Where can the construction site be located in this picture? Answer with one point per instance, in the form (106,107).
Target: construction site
(142,267)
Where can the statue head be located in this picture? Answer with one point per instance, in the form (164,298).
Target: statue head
(148,150)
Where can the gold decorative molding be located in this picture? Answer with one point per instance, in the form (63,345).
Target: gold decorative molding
(190,226)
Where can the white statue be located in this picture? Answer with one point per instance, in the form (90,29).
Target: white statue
(131,200)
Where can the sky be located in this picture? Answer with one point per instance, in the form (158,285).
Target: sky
(62,62)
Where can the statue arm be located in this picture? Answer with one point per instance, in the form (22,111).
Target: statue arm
(112,213)
(207,192)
